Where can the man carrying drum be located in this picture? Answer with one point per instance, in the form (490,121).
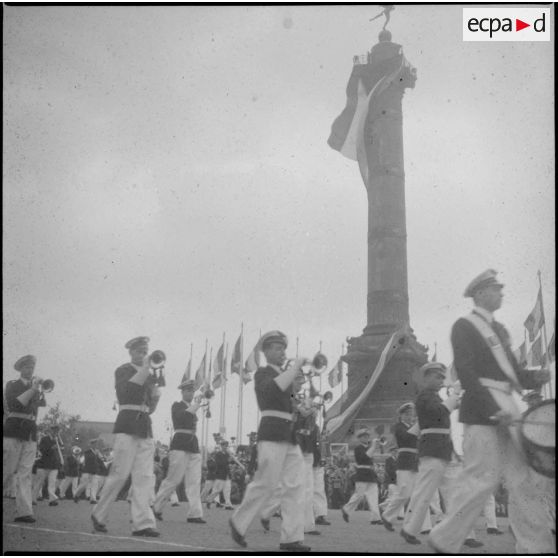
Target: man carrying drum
(488,373)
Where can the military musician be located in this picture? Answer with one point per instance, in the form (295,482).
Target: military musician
(279,456)
(48,465)
(22,399)
(134,448)
(489,372)
(185,463)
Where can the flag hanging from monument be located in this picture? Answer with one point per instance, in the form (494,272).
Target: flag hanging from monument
(535,319)
(348,414)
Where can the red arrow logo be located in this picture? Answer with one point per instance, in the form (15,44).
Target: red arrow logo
(519,25)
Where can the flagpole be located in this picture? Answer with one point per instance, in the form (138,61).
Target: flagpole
(224,392)
(222,373)
(546,362)
(342,353)
(240,386)
(208,383)
(204,446)
(257,406)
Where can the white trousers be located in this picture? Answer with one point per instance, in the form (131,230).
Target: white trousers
(488,452)
(221,485)
(132,455)
(50,475)
(319,496)
(65,483)
(89,483)
(368,490)
(277,462)
(490,513)
(18,459)
(273,504)
(430,476)
(207,486)
(308,476)
(183,466)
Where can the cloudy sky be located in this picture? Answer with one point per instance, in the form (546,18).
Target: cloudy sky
(166,173)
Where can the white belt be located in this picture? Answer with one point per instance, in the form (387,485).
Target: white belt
(278,414)
(435,431)
(184,431)
(410,450)
(496,384)
(364,467)
(140,408)
(21,415)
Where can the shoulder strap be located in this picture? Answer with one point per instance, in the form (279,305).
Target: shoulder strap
(493,342)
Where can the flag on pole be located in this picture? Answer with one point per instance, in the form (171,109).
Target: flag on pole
(219,368)
(536,352)
(200,373)
(552,348)
(253,361)
(535,319)
(335,374)
(235,359)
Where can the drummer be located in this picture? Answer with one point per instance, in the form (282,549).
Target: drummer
(488,373)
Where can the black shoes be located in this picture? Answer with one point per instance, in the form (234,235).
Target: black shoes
(265,523)
(472,543)
(147,532)
(345,515)
(294,547)
(376,522)
(93,502)
(321,520)
(97,526)
(53,503)
(494,531)
(237,537)
(229,508)
(313,532)
(196,520)
(25,519)
(158,515)
(76,499)
(386,524)
(175,505)
(411,539)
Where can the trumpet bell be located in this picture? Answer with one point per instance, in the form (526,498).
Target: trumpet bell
(319,362)
(208,393)
(327,397)
(47,386)
(157,359)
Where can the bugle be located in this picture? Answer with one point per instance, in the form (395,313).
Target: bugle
(45,386)
(157,360)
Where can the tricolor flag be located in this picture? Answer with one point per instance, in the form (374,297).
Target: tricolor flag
(200,373)
(219,366)
(235,360)
(536,353)
(253,361)
(535,319)
(335,374)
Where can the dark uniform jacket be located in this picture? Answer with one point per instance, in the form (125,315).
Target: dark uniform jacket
(317,448)
(184,419)
(432,413)
(135,423)
(305,432)
(406,461)
(473,359)
(210,468)
(71,466)
(20,428)
(222,471)
(50,459)
(102,467)
(253,461)
(270,397)
(89,462)
(364,473)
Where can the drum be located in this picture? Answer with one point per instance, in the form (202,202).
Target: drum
(537,432)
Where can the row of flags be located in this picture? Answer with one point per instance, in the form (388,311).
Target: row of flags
(216,375)
(536,354)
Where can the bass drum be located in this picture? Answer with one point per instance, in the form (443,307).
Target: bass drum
(538,437)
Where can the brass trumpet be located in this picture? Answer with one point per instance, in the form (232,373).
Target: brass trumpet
(45,386)
(206,394)
(157,360)
(317,364)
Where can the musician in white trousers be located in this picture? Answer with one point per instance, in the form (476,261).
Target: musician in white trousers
(48,466)
(184,455)
(133,448)
(319,496)
(488,372)
(279,456)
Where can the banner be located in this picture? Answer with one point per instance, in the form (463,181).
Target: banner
(535,319)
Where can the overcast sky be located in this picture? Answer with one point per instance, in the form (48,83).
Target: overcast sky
(166,173)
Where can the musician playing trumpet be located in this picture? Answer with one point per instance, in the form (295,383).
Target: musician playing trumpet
(185,461)
(22,399)
(133,449)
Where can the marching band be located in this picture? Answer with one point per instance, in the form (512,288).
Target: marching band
(285,469)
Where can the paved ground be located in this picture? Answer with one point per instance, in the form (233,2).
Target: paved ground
(67,528)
